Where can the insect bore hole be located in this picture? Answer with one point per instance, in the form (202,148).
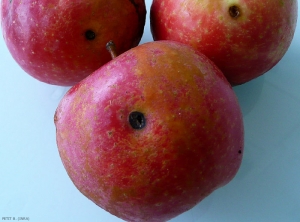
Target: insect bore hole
(234,11)
(137,120)
(90,35)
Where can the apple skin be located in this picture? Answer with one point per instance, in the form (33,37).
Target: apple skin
(47,38)
(192,142)
(243,46)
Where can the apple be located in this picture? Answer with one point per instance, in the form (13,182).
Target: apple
(61,42)
(151,133)
(244,38)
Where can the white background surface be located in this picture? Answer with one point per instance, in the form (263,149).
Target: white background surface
(34,184)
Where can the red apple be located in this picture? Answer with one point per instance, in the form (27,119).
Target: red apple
(151,133)
(244,38)
(62,42)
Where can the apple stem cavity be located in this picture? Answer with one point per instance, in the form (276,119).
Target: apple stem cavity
(234,11)
(90,35)
(111,48)
(137,120)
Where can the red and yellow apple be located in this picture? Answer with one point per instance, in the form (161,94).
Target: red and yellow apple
(244,38)
(62,42)
(150,134)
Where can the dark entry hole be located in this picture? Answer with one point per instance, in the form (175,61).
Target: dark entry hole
(234,11)
(137,120)
(90,35)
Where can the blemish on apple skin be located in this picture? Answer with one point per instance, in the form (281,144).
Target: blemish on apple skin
(281,2)
(110,133)
(158,204)
(55,117)
(240,152)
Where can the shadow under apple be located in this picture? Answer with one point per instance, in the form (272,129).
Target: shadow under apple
(249,93)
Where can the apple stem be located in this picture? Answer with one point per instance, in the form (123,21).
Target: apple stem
(111,48)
